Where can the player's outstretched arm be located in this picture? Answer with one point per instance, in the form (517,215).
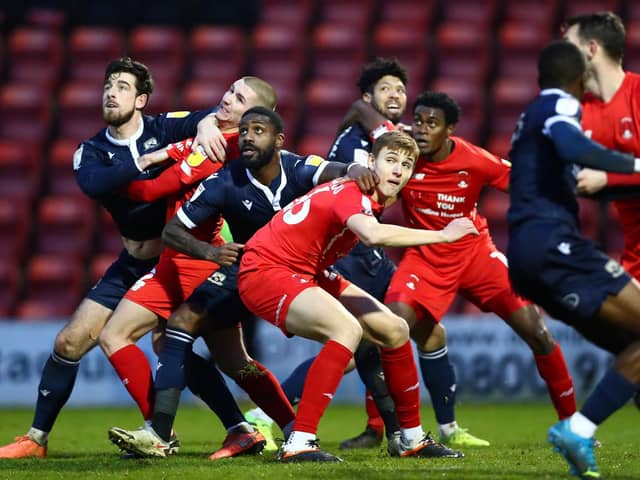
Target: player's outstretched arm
(210,139)
(176,235)
(364,177)
(376,234)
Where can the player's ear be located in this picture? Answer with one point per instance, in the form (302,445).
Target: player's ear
(279,140)
(372,162)
(366,96)
(141,101)
(450,129)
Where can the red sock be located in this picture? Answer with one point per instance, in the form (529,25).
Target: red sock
(265,390)
(321,384)
(401,375)
(135,372)
(374,420)
(553,370)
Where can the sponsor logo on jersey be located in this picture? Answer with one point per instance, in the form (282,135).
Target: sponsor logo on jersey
(248,204)
(564,248)
(111,154)
(196,158)
(217,278)
(314,160)
(614,268)
(179,114)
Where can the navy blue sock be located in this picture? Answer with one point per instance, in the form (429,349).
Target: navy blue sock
(172,360)
(611,393)
(294,383)
(440,379)
(56,383)
(205,381)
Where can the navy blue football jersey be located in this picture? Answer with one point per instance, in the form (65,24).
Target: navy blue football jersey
(352,145)
(244,202)
(104,165)
(543,185)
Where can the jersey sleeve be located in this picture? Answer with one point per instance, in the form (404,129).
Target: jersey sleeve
(349,148)
(307,171)
(351,201)
(179,125)
(497,170)
(205,202)
(97,178)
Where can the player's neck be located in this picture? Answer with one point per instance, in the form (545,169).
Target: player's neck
(382,199)
(269,172)
(227,127)
(606,81)
(442,153)
(126,130)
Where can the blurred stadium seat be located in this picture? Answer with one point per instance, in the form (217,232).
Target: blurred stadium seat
(21,171)
(25,113)
(61,178)
(9,286)
(217,54)
(36,56)
(15,229)
(80,112)
(91,49)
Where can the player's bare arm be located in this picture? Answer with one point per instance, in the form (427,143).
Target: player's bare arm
(210,139)
(373,233)
(177,236)
(153,158)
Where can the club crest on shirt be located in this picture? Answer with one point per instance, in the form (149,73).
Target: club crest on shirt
(463,177)
(150,143)
(627,126)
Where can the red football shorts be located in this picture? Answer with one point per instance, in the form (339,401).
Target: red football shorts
(267,290)
(170,283)
(480,275)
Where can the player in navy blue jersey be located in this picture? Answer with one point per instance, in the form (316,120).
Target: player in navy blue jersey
(103,165)
(247,193)
(552,264)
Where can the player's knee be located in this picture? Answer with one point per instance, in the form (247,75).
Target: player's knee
(110,341)
(397,332)
(70,346)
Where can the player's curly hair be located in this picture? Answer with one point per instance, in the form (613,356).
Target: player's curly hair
(604,27)
(274,118)
(560,63)
(441,101)
(144,81)
(374,71)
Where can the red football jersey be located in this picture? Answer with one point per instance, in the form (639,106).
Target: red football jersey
(615,124)
(177,187)
(440,191)
(310,233)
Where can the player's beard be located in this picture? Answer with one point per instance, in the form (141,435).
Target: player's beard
(262,158)
(395,117)
(117,119)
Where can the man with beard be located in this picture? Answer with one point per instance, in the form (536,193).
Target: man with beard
(159,293)
(247,194)
(104,165)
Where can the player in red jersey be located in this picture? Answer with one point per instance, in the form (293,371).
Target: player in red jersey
(283,280)
(610,116)
(446,184)
(156,295)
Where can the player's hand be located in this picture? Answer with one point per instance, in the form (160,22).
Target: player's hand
(364,177)
(154,158)
(591,181)
(226,254)
(404,128)
(210,140)
(458,228)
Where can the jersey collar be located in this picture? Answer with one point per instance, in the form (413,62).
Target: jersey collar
(273,199)
(131,142)
(555,91)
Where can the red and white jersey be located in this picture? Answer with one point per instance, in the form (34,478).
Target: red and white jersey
(178,183)
(440,191)
(311,233)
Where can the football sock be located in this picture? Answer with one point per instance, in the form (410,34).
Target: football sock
(581,425)
(166,406)
(411,436)
(265,391)
(172,359)
(611,393)
(321,384)
(401,375)
(56,383)
(440,379)
(553,370)
(135,372)
(205,381)
(298,441)
(374,420)
(381,410)
(294,383)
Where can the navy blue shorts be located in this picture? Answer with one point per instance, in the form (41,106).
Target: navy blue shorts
(218,296)
(553,265)
(118,278)
(368,268)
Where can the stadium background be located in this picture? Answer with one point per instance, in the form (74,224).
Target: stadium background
(56,243)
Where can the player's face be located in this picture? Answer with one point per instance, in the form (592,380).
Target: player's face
(394,168)
(429,129)
(235,101)
(258,141)
(389,97)
(120,99)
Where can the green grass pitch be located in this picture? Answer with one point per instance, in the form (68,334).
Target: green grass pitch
(79,449)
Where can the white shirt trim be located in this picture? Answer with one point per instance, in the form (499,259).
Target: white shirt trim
(549,122)
(131,142)
(274,200)
(316,176)
(186,220)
